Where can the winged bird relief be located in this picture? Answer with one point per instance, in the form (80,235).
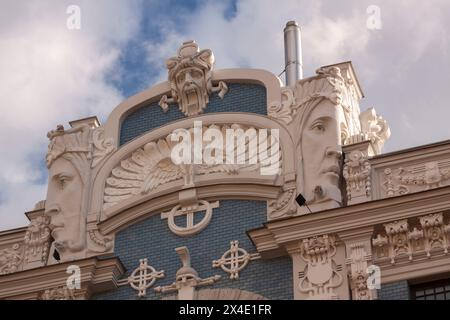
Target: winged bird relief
(152,165)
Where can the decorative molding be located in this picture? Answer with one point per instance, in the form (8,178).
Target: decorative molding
(187,278)
(11,259)
(358,261)
(426,235)
(375,129)
(235,260)
(37,242)
(97,275)
(150,166)
(58,293)
(416,178)
(286,109)
(356,173)
(321,274)
(101,146)
(97,242)
(190,228)
(329,84)
(227,294)
(190,77)
(141,279)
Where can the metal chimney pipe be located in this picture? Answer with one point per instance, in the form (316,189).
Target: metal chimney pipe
(292,53)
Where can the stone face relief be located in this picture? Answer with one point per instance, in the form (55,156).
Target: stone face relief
(321,154)
(190,76)
(69,161)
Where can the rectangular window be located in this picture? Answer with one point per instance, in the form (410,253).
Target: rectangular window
(436,290)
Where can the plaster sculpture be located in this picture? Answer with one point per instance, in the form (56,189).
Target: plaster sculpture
(190,77)
(358,275)
(419,177)
(428,234)
(235,260)
(150,166)
(322,114)
(10,259)
(190,227)
(321,275)
(69,160)
(317,120)
(143,277)
(58,293)
(187,278)
(356,173)
(37,242)
(375,129)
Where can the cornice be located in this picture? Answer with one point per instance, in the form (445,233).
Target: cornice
(97,275)
(275,235)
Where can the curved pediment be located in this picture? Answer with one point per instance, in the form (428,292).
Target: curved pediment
(143,169)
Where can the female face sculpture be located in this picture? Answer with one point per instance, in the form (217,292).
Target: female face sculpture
(68,162)
(321,152)
(63,204)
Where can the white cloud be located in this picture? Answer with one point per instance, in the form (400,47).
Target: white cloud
(403,68)
(51,75)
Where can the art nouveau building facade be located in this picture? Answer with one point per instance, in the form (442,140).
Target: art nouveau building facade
(139,226)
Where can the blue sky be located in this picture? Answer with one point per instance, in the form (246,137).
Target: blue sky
(52,75)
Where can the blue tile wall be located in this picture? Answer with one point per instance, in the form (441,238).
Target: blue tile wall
(394,291)
(152,239)
(240,98)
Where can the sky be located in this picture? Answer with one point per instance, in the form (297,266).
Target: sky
(52,74)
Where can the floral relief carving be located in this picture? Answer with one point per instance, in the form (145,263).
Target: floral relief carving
(356,173)
(425,236)
(329,84)
(10,259)
(321,274)
(358,262)
(190,77)
(37,240)
(416,178)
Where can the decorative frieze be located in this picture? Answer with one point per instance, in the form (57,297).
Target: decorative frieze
(150,166)
(422,237)
(58,293)
(11,259)
(234,260)
(143,277)
(415,178)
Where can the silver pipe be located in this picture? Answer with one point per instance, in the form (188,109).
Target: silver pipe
(293,53)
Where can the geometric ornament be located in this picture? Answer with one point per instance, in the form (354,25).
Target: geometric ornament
(234,260)
(141,279)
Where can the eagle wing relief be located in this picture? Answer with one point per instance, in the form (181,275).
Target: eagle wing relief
(146,169)
(260,151)
(151,165)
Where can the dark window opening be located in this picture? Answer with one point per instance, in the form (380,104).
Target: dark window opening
(436,290)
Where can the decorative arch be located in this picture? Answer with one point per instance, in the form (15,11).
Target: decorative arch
(213,186)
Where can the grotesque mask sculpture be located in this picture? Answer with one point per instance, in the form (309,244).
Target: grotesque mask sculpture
(68,161)
(190,76)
